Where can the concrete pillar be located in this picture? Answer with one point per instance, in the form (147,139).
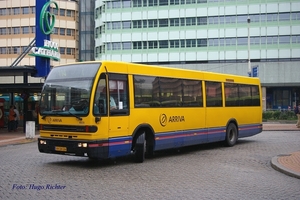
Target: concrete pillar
(264,98)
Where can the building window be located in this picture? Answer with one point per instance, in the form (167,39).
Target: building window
(201,21)
(126,4)
(137,24)
(174,44)
(163,2)
(137,3)
(190,21)
(201,42)
(230,41)
(152,23)
(137,45)
(116,46)
(109,25)
(62,50)
(174,22)
(126,25)
(152,2)
(25,10)
(242,41)
(116,25)
(182,21)
(69,32)
(69,51)
(163,44)
(272,40)
(163,22)
(126,45)
(108,46)
(2,11)
(116,4)
(191,43)
(272,17)
(25,30)
(174,2)
(145,45)
(2,31)
(145,23)
(16,11)
(16,30)
(62,31)
(32,8)
(16,50)
(32,29)
(242,19)
(2,50)
(69,13)
(284,40)
(62,12)
(152,44)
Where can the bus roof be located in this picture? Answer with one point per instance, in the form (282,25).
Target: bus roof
(166,71)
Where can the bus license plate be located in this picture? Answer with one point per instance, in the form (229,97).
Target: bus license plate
(60,148)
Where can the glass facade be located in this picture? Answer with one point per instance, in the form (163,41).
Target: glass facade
(86,30)
(226,36)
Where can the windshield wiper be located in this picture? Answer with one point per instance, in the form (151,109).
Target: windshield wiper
(75,116)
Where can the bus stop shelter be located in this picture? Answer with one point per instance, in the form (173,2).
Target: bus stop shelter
(21,88)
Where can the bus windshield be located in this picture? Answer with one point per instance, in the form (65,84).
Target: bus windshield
(67,90)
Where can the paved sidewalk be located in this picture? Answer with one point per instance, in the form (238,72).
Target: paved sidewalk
(14,138)
(288,164)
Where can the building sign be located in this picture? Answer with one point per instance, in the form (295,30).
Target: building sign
(44,49)
(47,19)
(49,50)
(255,71)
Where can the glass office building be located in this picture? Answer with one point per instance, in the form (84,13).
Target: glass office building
(86,30)
(227,36)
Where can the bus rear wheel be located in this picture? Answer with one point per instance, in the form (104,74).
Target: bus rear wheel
(231,135)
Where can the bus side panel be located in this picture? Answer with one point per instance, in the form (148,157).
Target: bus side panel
(249,130)
(119,146)
(216,134)
(180,139)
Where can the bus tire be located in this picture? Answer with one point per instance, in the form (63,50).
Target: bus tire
(231,135)
(140,148)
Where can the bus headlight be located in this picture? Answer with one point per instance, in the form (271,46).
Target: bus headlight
(43,142)
(82,144)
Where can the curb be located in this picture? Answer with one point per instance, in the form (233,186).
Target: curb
(277,166)
(10,142)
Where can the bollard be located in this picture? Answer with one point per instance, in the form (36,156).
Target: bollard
(30,129)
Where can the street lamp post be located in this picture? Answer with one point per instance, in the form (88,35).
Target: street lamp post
(249,62)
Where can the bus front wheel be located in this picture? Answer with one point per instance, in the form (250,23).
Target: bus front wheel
(140,148)
(231,135)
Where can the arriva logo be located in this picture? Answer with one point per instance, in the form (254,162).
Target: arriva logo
(56,120)
(163,119)
(176,119)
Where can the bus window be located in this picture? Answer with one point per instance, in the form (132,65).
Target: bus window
(118,92)
(213,94)
(118,95)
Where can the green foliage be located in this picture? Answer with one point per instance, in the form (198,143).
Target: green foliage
(279,115)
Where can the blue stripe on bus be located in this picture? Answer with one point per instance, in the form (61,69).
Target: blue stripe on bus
(122,146)
(249,130)
(189,137)
(119,146)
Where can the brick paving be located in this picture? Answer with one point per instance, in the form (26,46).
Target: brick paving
(288,164)
(291,161)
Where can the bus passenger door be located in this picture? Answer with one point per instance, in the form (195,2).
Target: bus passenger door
(118,105)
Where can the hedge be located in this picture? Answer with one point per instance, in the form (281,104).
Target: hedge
(279,115)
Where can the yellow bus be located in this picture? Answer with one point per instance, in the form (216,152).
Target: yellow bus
(110,109)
